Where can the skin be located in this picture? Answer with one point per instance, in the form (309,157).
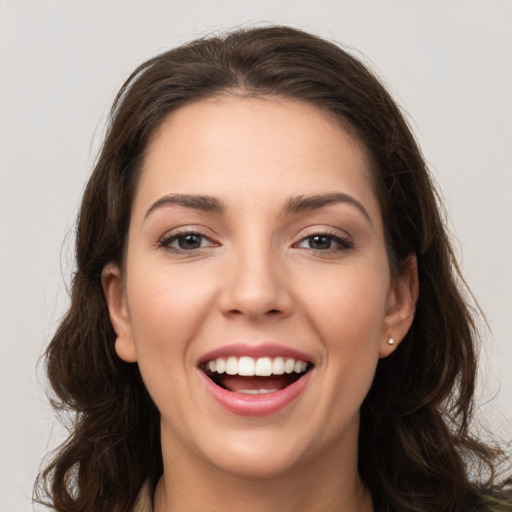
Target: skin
(258,276)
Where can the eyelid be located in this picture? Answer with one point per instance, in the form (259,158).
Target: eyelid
(343,239)
(171,235)
(323,230)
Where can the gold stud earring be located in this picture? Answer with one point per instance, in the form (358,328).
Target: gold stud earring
(391,341)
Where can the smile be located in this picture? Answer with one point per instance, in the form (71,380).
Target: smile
(255,385)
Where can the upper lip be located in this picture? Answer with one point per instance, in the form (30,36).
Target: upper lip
(255,351)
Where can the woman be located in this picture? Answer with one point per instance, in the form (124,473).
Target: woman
(266,313)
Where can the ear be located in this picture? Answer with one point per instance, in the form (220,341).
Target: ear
(401,306)
(112,281)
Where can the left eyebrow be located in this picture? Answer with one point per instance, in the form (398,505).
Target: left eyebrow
(300,204)
(194,201)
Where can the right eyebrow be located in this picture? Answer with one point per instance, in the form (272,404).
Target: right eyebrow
(307,203)
(197,202)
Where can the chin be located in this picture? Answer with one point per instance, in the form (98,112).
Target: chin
(254,463)
(269,450)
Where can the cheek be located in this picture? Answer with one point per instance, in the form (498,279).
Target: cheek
(167,307)
(346,309)
(350,327)
(347,305)
(344,306)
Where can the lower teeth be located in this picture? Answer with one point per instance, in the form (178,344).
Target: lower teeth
(256,391)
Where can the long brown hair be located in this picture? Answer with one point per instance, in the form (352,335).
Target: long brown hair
(415,450)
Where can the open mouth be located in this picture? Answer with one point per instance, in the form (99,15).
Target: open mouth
(255,376)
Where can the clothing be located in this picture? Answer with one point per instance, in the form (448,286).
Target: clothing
(496,505)
(144,502)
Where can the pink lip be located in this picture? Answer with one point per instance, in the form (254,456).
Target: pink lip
(255,405)
(255,351)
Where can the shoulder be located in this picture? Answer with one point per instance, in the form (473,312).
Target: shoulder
(497,505)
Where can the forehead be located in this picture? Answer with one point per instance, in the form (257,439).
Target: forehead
(246,147)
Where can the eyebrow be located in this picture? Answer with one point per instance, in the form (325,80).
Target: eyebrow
(197,202)
(296,204)
(307,203)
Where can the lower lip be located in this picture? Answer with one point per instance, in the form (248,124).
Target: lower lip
(264,404)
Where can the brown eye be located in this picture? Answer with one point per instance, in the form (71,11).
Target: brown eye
(324,242)
(319,242)
(189,242)
(186,242)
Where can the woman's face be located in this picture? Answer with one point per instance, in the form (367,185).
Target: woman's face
(256,296)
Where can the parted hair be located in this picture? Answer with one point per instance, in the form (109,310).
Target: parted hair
(416,452)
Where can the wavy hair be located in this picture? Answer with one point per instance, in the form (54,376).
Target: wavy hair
(415,452)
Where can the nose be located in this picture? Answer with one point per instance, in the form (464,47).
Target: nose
(256,287)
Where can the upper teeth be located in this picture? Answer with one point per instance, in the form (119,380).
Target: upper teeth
(262,367)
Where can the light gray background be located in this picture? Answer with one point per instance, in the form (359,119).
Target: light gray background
(448,62)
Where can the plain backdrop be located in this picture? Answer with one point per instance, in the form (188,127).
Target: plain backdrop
(447,62)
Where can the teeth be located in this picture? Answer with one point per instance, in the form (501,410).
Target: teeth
(300,366)
(221,365)
(278,366)
(261,367)
(289,364)
(232,366)
(256,391)
(246,366)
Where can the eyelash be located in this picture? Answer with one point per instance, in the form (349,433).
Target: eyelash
(343,244)
(165,243)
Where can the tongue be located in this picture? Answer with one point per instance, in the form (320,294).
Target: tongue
(237,383)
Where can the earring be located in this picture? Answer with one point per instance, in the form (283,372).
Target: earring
(391,341)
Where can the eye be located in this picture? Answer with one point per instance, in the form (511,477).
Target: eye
(325,242)
(186,242)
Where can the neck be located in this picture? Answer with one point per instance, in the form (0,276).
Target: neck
(268,496)
(327,485)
